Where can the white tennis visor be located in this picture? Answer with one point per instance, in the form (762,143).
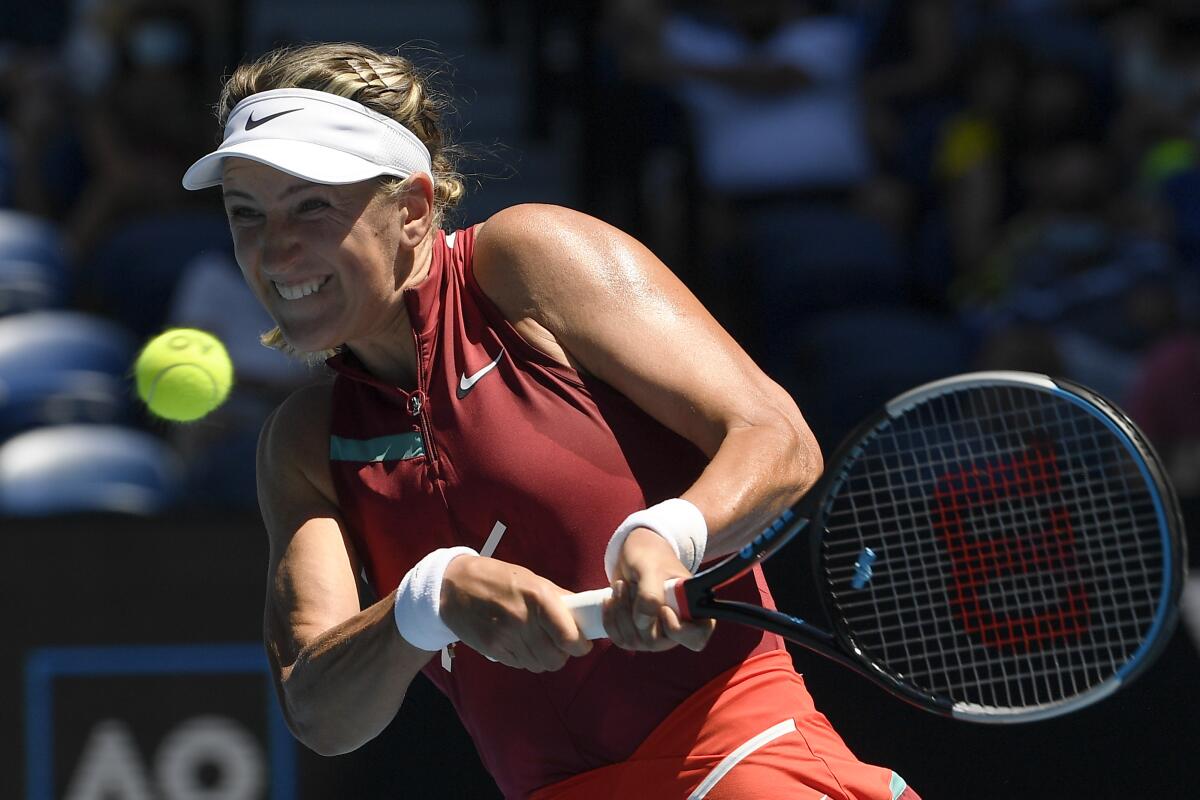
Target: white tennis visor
(313,135)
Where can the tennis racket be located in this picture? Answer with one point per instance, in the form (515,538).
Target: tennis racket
(995,547)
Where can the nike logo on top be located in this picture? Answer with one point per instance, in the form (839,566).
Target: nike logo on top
(466,384)
(252,123)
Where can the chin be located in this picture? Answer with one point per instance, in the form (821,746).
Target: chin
(309,345)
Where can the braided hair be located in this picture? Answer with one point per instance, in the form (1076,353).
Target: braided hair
(387,83)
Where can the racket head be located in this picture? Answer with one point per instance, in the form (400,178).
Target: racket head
(999,547)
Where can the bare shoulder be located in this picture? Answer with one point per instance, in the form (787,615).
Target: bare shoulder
(520,234)
(535,260)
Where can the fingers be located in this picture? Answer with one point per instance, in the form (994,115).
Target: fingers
(559,626)
(537,653)
(633,616)
(509,614)
(648,597)
(532,651)
(549,638)
(623,630)
(536,649)
(618,618)
(693,635)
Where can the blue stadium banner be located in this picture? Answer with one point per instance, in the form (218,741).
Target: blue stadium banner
(155,721)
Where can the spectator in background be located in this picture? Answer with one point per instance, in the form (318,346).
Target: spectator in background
(1072,278)
(972,155)
(914,49)
(622,87)
(114,105)
(38,114)
(1014,104)
(770,93)
(146,124)
(1066,32)
(771,88)
(748,76)
(1156,131)
(1164,400)
(912,52)
(1157,62)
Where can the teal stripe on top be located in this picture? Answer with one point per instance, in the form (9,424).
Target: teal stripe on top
(897,786)
(382,448)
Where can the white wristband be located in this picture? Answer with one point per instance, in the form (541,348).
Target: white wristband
(418,598)
(676,520)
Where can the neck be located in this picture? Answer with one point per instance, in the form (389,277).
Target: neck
(390,353)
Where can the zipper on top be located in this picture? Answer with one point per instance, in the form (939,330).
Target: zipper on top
(418,404)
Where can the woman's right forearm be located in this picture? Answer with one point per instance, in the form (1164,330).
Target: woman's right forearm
(347,684)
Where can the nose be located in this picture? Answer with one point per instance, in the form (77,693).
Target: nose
(280,248)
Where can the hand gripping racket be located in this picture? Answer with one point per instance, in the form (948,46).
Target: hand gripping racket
(996,547)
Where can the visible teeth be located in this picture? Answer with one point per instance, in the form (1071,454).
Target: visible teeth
(297,290)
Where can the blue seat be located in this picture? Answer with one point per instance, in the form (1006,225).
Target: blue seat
(29,238)
(63,366)
(30,286)
(33,264)
(87,468)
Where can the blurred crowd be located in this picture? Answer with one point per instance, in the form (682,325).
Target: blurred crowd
(867,193)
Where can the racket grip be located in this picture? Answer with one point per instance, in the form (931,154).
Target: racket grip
(588,608)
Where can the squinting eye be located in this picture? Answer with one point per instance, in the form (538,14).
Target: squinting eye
(241,212)
(313,204)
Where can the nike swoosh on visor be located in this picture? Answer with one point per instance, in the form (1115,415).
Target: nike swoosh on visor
(252,123)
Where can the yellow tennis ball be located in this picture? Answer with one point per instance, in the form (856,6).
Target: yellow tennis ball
(183,374)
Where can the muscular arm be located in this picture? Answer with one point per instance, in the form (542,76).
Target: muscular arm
(341,672)
(597,299)
(601,301)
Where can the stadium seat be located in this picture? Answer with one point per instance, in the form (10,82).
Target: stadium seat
(62,366)
(33,267)
(29,286)
(87,468)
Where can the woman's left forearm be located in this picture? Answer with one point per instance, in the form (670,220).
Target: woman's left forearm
(759,470)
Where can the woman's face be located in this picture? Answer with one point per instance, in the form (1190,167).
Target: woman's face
(323,260)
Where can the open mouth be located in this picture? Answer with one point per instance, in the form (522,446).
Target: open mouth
(295,291)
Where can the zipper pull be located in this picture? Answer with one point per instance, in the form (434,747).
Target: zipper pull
(416,401)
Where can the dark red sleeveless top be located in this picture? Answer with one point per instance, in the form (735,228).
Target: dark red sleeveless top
(558,460)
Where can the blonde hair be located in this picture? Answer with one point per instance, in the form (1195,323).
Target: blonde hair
(387,83)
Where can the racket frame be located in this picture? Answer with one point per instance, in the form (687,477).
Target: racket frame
(695,596)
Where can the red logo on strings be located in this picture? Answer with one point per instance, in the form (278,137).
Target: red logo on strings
(1045,552)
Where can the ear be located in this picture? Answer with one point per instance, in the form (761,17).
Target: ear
(415,205)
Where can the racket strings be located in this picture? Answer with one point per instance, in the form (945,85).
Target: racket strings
(1018,546)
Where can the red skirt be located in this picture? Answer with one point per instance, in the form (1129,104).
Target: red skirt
(751,732)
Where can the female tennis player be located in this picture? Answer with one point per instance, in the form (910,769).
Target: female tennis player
(521,409)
